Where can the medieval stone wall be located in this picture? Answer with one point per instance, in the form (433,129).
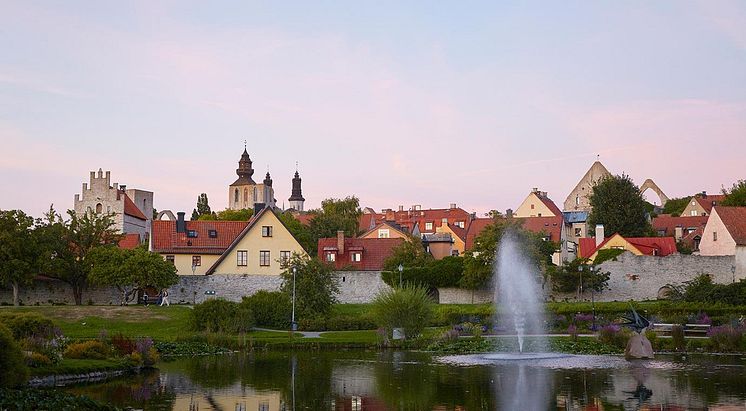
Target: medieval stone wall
(464,296)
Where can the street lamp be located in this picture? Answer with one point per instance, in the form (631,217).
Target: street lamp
(401,268)
(293,325)
(593,302)
(733,271)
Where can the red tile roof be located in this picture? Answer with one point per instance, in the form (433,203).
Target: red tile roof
(304,218)
(658,246)
(550,205)
(131,209)
(408,219)
(734,219)
(129,241)
(167,240)
(475,227)
(708,201)
(375,251)
(666,225)
(552,226)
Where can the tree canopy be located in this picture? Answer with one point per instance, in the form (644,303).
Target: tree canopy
(203,207)
(410,253)
(315,286)
(736,196)
(676,206)
(336,215)
(577,276)
(618,204)
(18,250)
(244,214)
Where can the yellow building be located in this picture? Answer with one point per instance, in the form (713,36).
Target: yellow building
(385,230)
(537,204)
(458,235)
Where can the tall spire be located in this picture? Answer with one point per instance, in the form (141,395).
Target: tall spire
(244,170)
(268,180)
(296,195)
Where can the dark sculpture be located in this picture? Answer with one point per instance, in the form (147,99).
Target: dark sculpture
(635,321)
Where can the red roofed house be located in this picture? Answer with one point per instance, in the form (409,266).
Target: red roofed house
(129,241)
(652,246)
(361,254)
(552,228)
(725,234)
(701,204)
(537,204)
(132,209)
(427,221)
(686,229)
(195,244)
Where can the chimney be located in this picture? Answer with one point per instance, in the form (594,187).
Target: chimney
(535,190)
(679,232)
(509,213)
(390,215)
(453,206)
(599,234)
(123,187)
(704,194)
(401,208)
(340,242)
(180,224)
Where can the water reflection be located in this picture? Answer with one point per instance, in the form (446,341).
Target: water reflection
(359,380)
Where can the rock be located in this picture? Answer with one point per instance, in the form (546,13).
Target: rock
(638,347)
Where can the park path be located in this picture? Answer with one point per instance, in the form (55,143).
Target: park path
(305,334)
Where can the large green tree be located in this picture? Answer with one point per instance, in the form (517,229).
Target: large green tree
(336,215)
(203,207)
(66,244)
(736,196)
(410,253)
(578,276)
(18,250)
(479,261)
(316,286)
(618,204)
(676,206)
(130,270)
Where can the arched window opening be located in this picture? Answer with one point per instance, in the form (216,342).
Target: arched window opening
(99,208)
(235,196)
(245,195)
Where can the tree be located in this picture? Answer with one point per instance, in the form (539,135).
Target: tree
(572,276)
(315,286)
(409,308)
(67,244)
(130,270)
(18,254)
(203,207)
(736,197)
(410,253)
(244,214)
(480,260)
(618,204)
(336,215)
(301,232)
(676,206)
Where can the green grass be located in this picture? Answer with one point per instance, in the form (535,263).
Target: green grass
(73,366)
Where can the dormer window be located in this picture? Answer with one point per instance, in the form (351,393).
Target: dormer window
(331,257)
(212,233)
(192,233)
(356,256)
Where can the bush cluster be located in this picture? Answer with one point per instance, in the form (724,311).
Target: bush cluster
(446,272)
(270,309)
(409,308)
(24,325)
(91,350)
(13,371)
(222,316)
(702,289)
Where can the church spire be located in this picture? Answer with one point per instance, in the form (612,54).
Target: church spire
(296,199)
(244,170)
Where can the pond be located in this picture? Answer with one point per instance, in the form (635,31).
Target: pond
(396,380)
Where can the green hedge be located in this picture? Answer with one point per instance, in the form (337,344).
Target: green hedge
(220,315)
(446,272)
(24,325)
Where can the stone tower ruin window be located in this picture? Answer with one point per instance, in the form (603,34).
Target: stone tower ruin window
(245,195)
(99,208)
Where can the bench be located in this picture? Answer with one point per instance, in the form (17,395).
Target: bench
(698,330)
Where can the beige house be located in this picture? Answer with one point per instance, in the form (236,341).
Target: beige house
(702,204)
(261,248)
(385,230)
(458,236)
(537,204)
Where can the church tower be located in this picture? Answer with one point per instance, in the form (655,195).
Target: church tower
(245,192)
(296,199)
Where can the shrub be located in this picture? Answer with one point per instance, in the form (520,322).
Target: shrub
(13,371)
(725,338)
(24,325)
(613,335)
(270,309)
(146,351)
(409,308)
(36,360)
(219,315)
(93,350)
(123,345)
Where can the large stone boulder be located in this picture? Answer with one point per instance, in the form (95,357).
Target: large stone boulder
(638,347)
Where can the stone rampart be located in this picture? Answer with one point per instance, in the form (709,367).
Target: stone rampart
(463,296)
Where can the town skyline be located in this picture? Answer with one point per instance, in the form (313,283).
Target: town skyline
(414,109)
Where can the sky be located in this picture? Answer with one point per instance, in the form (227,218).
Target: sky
(397,103)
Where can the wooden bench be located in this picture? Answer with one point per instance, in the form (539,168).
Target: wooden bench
(696,330)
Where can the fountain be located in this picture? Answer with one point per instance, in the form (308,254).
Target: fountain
(518,292)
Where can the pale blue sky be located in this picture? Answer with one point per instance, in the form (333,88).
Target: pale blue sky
(418,103)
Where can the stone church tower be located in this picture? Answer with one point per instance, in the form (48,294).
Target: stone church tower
(296,198)
(244,192)
(578,198)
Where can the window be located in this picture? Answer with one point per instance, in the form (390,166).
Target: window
(242,257)
(460,224)
(235,196)
(170,259)
(212,233)
(383,233)
(245,195)
(266,231)
(331,257)
(577,200)
(264,258)
(196,260)
(254,197)
(284,257)
(192,233)
(108,209)
(693,213)
(444,221)
(532,206)
(99,208)
(578,232)
(428,226)
(356,256)
(714,236)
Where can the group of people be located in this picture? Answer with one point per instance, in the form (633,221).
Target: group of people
(162,298)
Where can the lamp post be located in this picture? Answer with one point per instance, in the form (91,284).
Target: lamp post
(401,268)
(593,302)
(733,271)
(293,325)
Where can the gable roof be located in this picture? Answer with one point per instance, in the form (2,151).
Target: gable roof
(167,241)
(734,219)
(131,209)
(549,204)
(475,227)
(375,251)
(251,223)
(407,219)
(390,225)
(668,224)
(129,241)
(709,201)
(552,226)
(658,246)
